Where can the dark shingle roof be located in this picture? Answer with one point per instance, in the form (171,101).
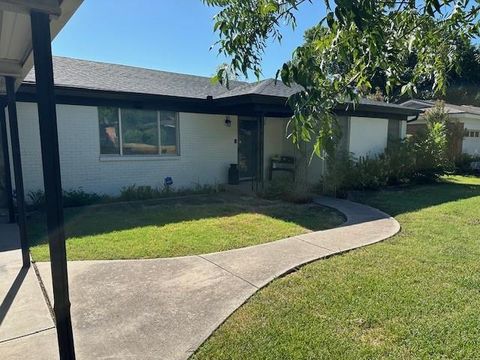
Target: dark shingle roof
(449,108)
(93,75)
(121,78)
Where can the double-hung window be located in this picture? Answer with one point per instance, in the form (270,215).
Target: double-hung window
(126,132)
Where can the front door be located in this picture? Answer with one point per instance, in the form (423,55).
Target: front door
(248,147)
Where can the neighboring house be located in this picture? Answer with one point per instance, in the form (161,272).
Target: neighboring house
(468,118)
(120,125)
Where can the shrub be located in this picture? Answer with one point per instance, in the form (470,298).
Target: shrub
(286,190)
(431,146)
(71,198)
(422,158)
(134,192)
(400,159)
(36,199)
(463,164)
(344,173)
(79,197)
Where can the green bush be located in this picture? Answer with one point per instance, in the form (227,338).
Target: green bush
(134,192)
(430,149)
(463,164)
(422,158)
(432,146)
(71,198)
(286,190)
(78,197)
(36,199)
(400,162)
(344,173)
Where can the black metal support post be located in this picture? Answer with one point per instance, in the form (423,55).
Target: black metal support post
(42,54)
(17,169)
(6,164)
(262,150)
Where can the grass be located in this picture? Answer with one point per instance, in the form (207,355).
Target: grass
(415,296)
(178,227)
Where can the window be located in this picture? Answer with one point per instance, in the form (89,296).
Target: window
(168,133)
(109,130)
(472,133)
(127,132)
(139,132)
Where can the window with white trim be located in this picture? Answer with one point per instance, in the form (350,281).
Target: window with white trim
(472,133)
(130,132)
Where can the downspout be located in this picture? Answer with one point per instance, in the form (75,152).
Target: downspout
(415,118)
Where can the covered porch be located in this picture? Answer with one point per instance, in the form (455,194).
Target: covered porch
(265,154)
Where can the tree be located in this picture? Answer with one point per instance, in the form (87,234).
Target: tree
(355,41)
(463,79)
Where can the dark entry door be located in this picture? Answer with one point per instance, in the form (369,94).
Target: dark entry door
(248,147)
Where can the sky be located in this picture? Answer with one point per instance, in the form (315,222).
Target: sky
(169,35)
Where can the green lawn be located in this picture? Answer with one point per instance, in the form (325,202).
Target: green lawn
(415,296)
(178,227)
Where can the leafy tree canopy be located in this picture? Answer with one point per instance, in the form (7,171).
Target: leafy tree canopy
(403,42)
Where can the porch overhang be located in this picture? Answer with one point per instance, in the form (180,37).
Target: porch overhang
(16,58)
(250,104)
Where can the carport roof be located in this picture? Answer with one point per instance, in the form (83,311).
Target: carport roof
(15,32)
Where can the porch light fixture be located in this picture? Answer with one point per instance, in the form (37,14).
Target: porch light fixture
(228,122)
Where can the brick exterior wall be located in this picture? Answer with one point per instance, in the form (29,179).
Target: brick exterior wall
(207,147)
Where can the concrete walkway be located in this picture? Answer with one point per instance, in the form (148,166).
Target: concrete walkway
(26,327)
(165,308)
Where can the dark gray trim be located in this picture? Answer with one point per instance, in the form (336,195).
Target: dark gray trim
(270,106)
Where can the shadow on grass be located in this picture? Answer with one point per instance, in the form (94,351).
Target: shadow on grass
(104,219)
(402,200)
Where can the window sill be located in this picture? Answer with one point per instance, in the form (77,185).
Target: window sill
(139,158)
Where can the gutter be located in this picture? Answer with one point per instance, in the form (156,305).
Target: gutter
(414,118)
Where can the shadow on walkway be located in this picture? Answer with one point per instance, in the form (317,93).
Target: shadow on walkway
(11,293)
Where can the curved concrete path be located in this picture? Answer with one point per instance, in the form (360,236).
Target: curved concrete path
(166,308)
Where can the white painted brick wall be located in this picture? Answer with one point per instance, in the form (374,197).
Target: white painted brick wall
(368,136)
(207,148)
(275,139)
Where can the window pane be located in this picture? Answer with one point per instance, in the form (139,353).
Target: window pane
(168,133)
(139,132)
(109,134)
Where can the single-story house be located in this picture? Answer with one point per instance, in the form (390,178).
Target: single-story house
(121,125)
(467,117)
